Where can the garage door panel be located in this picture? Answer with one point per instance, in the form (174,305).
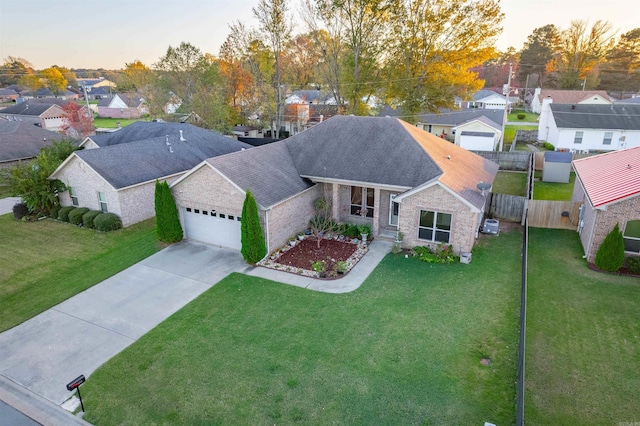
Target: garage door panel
(221,229)
(477,143)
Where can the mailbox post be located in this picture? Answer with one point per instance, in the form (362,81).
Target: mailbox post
(75,384)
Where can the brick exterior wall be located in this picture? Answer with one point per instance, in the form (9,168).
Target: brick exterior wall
(464,222)
(138,203)
(598,223)
(124,113)
(87,184)
(292,216)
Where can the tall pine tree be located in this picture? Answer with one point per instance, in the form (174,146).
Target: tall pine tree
(252,238)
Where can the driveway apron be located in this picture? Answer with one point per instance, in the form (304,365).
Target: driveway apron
(77,336)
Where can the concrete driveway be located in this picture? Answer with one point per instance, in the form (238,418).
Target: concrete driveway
(77,336)
(6,204)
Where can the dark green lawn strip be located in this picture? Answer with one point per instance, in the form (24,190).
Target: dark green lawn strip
(513,183)
(583,338)
(403,349)
(553,190)
(44,263)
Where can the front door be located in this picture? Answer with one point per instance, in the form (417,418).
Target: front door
(393,211)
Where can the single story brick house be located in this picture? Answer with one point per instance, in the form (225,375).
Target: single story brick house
(121,105)
(20,141)
(116,172)
(375,170)
(47,114)
(608,185)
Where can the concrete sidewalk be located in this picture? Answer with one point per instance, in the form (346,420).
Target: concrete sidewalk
(6,204)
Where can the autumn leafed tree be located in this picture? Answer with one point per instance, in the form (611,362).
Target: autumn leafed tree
(53,80)
(141,79)
(275,28)
(13,69)
(78,121)
(433,45)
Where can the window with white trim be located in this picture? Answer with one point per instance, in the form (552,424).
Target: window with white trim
(73,195)
(608,136)
(434,226)
(102,200)
(362,201)
(578,136)
(631,236)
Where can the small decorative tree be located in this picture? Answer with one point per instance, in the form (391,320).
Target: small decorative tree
(322,221)
(610,255)
(252,238)
(167,220)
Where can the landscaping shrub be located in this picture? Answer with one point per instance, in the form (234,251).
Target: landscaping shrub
(89,217)
(521,116)
(75,215)
(352,231)
(442,254)
(633,263)
(549,146)
(167,220)
(54,211)
(63,214)
(20,210)
(610,255)
(106,222)
(252,239)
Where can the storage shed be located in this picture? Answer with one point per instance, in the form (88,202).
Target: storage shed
(556,167)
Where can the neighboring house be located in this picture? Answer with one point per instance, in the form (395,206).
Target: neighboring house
(116,172)
(248,131)
(304,97)
(8,95)
(485,99)
(172,105)
(587,128)
(91,83)
(574,97)
(630,101)
(122,105)
(472,129)
(380,171)
(299,117)
(98,93)
(46,115)
(21,141)
(68,95)
(608,185)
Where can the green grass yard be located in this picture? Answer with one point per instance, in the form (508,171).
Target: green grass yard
(405,348)
(510,131)
(111,123)
(583,338)
(553,190)
(529,117)
(44,263)
(512,183)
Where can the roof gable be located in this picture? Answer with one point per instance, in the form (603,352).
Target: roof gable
(610,177)
(572,96)
(20,140)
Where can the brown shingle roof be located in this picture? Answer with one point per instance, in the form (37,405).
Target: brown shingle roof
(571,96)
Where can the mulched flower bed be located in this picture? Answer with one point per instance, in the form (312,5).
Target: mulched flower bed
(299,259)
(624,271)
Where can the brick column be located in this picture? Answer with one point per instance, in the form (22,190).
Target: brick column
(376,212)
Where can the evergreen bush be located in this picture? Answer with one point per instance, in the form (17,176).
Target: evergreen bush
(53,212)
(63,214)
(521,116)
(252,239)
(20,210)
(610,255)
(633,263)
(106,222)
(168,225)
(75,216)
(89,217)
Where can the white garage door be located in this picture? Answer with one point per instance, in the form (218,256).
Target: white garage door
(212,227)
(477,141)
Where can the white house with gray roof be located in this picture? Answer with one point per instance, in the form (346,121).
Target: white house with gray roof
(590,128)
(380,171)
(116,172)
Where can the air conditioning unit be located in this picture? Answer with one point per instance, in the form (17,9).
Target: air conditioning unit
(491,226)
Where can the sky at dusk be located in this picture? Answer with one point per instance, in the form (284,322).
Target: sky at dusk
(92,34)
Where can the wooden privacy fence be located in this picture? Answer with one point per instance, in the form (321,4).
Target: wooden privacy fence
(548,214)
(517,160)
(507,207)
(539,158)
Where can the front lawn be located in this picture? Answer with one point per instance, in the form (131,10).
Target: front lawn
(553,190)
(512,183)
(44,263)
(583,337)
(112,123)
(405,348)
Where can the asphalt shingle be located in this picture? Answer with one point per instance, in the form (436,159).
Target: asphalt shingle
(616,116)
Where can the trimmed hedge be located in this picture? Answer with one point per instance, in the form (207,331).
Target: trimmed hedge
(75,216)
(106,222)
(20,210)
(63,214)
(89,217)
(521,116)
(53,213)
(610,254)
(633,263)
